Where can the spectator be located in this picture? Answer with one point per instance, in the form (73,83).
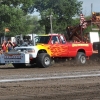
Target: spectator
(9,45)
(4,48)
(1,51)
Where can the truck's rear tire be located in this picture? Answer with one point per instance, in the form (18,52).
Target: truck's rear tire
(80,58)
(43,60)
(16,65)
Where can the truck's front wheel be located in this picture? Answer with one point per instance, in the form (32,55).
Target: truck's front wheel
(43,60)
(80,58)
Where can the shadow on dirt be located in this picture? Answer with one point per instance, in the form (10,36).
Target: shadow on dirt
(10,66)
(94,60)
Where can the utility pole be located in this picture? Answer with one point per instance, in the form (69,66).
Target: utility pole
(5,35)
(91,8)
(51,22)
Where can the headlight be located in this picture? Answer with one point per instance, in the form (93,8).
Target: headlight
(19,50)
(31,51)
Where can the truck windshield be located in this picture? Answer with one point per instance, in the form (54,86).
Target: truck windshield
(42,39)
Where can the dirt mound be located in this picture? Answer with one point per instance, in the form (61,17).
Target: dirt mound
(94,60)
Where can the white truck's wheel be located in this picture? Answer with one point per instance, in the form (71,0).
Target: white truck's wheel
(43,60)
(80,58)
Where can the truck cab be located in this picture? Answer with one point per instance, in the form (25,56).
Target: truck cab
(55,43)
(59,47)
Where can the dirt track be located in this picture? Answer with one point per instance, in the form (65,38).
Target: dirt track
(81,88)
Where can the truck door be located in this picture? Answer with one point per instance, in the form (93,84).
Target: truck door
(64,46)
(58,47)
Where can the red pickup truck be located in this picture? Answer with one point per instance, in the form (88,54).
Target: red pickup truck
(56,47)
(46,48)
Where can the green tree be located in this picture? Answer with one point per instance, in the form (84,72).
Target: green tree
(13,16)
(22,4)
(63,12)
(34,26)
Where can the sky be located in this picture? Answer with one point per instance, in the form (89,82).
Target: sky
(87,7)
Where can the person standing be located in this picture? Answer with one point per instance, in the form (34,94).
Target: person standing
(4,48)
(9,45)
